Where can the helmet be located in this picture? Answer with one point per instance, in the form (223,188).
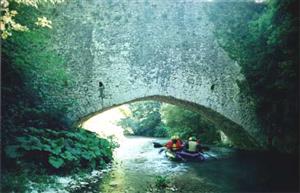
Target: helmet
(173,137)
(192,139)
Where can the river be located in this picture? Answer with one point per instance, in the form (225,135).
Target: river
(137,165)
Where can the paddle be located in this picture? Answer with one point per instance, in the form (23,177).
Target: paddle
(161,150)
(210,155)
(157,145)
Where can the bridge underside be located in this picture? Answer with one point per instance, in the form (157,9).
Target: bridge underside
(236,133)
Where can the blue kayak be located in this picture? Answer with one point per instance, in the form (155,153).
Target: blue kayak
(185,156)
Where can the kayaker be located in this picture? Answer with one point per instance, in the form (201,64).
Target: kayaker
(193,145)
(175,144)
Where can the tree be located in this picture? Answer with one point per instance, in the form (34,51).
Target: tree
(186,123)
(144,119)
(264,41)
(9,11)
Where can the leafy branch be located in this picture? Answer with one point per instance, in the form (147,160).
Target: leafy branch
(8,23)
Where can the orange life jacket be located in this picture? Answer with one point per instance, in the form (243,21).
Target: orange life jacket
(174,146)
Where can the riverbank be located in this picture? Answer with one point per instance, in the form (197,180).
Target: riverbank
(83,181)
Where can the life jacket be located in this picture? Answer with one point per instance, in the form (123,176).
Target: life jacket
(192,146)
(174,146)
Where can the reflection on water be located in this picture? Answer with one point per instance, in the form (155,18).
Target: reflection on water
(137,164)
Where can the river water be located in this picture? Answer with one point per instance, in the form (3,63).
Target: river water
(138,164)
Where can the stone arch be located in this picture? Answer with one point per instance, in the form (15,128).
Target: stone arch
(237,134)
(140,48)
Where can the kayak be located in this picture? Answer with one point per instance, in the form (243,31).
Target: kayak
(192,156)
(158,145)
(184,156)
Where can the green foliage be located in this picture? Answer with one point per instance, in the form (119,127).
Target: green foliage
(161,182)
(60,149)
(8,13)
(264,41)
(144,119)
(160,131)
(9,182)
(187,123)
(56,161)
(17,181)
(34,81)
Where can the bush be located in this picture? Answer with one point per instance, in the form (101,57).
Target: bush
(15,182)
(161,182)
(64,150)
(144,120)
(185,123)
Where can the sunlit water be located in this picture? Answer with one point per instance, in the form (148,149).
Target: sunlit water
(137,163)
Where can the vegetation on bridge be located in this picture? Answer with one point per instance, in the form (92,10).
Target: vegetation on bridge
(266,46)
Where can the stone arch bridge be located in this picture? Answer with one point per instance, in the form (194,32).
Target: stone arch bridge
(126,50)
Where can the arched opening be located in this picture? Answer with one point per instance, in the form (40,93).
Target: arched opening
(239,137)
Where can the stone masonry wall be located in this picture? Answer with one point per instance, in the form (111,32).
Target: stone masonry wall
(122,50)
